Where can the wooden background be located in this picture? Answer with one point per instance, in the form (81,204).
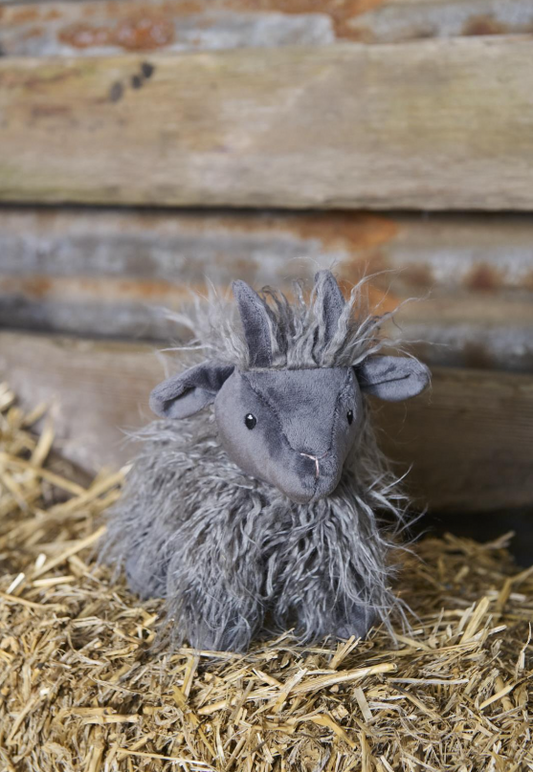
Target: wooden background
(147,146)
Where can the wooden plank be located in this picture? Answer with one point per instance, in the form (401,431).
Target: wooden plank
(398,20)
(426,125)
(469,440)
(107,273)
(89,28)
(94,27)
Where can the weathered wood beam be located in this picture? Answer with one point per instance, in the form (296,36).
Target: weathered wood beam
(94,27)
(426,126)
(469,440)
(106,273)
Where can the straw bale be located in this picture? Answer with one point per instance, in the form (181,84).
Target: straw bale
(82,688)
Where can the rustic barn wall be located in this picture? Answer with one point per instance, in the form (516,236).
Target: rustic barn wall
(109,273)
(349,126)
(332,108)
(452,436)
(94,27)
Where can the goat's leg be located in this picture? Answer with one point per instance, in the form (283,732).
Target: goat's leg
(319,589)
(319,608)
(214,590)
(352,618)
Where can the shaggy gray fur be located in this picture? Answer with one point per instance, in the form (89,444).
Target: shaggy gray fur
(301,334)
(233,555)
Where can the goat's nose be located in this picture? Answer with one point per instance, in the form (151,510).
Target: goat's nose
(316,459)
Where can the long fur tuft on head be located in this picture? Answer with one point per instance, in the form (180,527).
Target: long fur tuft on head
(232,555)
(296,329)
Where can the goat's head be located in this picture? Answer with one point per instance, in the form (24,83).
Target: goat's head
(291,427)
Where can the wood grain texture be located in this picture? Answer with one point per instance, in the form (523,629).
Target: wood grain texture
(469,440)
(108,273)
(93,27)
(434,125)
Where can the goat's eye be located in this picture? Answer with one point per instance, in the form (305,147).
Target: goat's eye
(250,421)
(349,416)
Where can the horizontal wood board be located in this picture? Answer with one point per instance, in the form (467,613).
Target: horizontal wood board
(93,27)
(439,124)
(469,440)
(90,272)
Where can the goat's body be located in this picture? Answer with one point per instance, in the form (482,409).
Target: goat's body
(232,555)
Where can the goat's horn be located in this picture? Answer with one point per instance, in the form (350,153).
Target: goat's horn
(330,302)
(254,319)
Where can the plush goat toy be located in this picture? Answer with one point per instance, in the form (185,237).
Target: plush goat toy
(262,516)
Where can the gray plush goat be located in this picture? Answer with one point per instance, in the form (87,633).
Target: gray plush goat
(261,514)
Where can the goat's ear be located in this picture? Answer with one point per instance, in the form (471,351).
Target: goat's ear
(330,301)
(186,394)
(393,378)
(254,318)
